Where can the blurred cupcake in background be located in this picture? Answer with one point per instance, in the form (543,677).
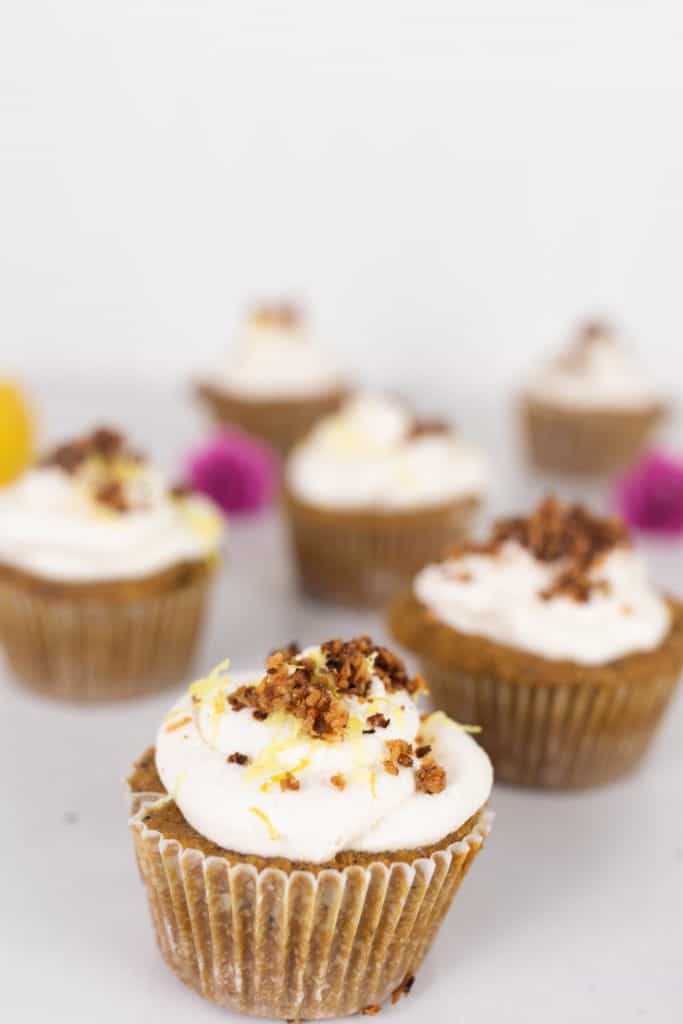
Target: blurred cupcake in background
(551,636)
(373,493)
(104,571)
(277,382)
(591,410)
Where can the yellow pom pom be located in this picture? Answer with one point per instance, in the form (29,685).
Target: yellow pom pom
(16,432)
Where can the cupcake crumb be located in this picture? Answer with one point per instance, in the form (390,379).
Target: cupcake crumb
(237,758)
(430,778)
(289,782)
(403,989)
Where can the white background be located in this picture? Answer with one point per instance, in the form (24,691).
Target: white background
(449,185)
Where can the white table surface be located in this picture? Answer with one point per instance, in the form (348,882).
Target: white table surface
(573,912)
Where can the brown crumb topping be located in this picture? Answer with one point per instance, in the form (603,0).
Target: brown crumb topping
(399,754)
(276,314)
(238,758)
(103,442)
(289,782)
(339,781)
(555,532)
(422,751)
(423,427)
(430,778)
(100,456)
(314,690)
(372,1010)
(378,721)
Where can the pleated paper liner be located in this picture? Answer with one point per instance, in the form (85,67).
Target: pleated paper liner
(555,736)
(361,557)
(297,945)
(280,423)
(584,441)
(103,641)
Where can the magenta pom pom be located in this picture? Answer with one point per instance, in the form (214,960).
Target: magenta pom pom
(236,471)
(650,496)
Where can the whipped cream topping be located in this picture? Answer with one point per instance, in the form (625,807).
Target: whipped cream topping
(596,372)
(498,595)
(367,456)
(277,357)
(242,807)
(50,526)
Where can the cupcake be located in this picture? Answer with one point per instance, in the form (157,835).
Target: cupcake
(591,410)
(304,830)
(551,637)
(277,383)
(373,493)
(104,572)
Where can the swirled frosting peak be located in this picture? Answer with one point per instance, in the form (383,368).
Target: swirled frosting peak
(96,509)
(561,583)
(374,453)
(276,356)
(595,371)
(324,751)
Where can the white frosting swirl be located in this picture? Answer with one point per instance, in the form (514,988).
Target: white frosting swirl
(242,808)
(599,374)
(278,361)
(498,596)
(363,457)
(50,527)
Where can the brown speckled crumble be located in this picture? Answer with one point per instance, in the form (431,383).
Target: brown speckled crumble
(238,758)
(430,779)
(558,532)
(314,692)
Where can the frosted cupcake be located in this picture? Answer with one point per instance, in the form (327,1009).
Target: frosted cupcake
(302,833)
(373,493)
(278,382)
(104,572)
(553,639)
(591,410)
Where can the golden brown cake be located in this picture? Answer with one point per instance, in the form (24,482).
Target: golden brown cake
(104,572)
(552,639)
(373,493)
(301,833)
(590,411)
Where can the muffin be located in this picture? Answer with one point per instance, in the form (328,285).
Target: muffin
(104,572)
(551,637)
(278,382)
(303,831)
(373,493)
(591,410)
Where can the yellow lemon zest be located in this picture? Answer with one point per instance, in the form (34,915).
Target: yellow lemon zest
(272,831)
(287,735)
(440,720)
(373,780)
(180,778)
(202,520)
(203,688)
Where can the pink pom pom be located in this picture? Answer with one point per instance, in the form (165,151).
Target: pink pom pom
(649,496)
(239,473)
